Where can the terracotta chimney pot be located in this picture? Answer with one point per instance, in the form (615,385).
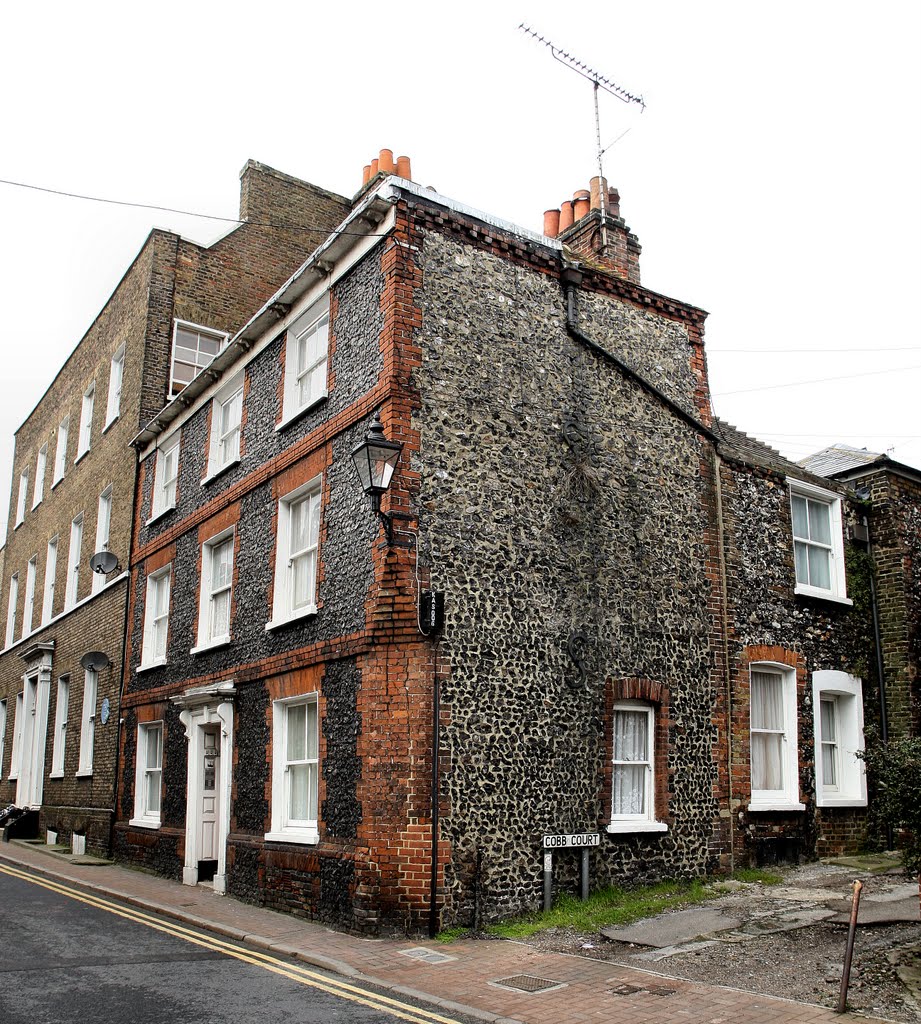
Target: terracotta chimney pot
(374,167)
(581,202)
(614,202)
(551,223)
(403,168)
(566,215)
(599,192)
(385,161)
(366,174)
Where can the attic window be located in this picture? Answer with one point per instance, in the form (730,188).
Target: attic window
(193,349)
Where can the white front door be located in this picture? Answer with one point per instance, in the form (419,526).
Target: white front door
(210,794)
(34,734)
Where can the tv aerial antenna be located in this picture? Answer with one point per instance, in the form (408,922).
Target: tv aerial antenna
(598,82)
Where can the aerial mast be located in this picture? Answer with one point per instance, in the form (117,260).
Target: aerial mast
(598,82)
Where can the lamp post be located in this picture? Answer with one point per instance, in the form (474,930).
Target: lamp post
(375,459)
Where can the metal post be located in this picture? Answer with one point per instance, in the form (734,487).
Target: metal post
(846,974)
(548,880)
(584,873)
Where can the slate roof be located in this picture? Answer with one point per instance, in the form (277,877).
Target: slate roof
(750,449)
(839,458)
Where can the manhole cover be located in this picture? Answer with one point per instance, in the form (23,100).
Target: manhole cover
(626,990)
(427,956)
(528,983)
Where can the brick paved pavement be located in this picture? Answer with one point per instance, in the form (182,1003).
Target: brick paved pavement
(588,992)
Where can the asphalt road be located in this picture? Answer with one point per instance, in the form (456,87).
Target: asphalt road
(68,956)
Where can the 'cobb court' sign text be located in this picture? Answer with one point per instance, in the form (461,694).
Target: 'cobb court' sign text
(572,841)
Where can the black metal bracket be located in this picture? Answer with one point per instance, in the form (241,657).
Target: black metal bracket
(387,518)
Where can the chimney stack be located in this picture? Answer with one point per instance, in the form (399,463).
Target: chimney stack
(591,225)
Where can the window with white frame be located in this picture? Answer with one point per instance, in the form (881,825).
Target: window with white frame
(2,733)
(73,562)
(216,589)
(306,356)
(59,743)
(21,499)
(148,775)
(60,452)
(86,420)
(16,751)
(103,522)
(156,618)
(41,465)
(296,554)
(633,769)
(116,375)
(295,770)
(773,734)
(166,474)
(818,541)
(226,423)
(28,605)
(88,723)
(837,701)
(193,348)
(51,569)
(11,609)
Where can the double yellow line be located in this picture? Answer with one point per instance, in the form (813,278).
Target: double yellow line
(302,975)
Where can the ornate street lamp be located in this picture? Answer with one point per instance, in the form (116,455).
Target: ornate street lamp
(375,460)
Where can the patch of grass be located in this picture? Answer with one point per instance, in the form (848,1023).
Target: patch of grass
(756,875)
(611,906)
(450,934)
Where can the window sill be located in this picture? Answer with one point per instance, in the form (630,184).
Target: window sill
(17,525)
(35,506)
(305,613)
(841,801)
(146,667)
(308,838)
(111,422)
(214,474)
(159,515)
(143,823)
(212,645)
(618,827)
(81,456)
(293,417)
(56,775)
(776,805)
(54,483)
(83,773)
(822,595)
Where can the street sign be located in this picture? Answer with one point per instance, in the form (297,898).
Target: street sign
(572,841)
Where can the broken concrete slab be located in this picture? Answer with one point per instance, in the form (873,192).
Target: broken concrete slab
(673,929)
(871,912)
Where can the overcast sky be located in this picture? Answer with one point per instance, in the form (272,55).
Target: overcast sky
(774,177)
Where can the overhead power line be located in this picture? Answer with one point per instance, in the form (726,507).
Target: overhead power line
(817,380)
(172,209)
(785,351)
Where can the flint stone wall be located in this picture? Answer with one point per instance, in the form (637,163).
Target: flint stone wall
(556,497)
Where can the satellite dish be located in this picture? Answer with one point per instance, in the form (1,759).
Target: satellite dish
(104,562)
(95,660)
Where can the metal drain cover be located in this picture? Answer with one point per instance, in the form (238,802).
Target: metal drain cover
(427,956)
(528,983)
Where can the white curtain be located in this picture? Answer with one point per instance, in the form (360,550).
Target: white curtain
(631,762)
(767,730)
